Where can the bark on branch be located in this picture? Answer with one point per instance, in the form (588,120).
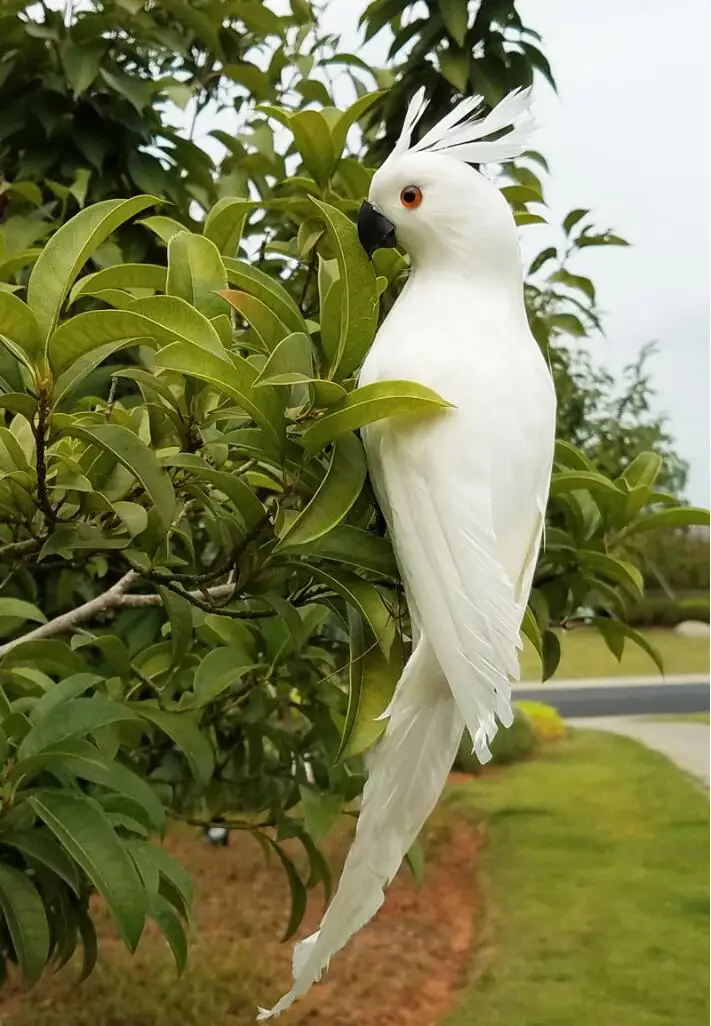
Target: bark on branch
(115,598)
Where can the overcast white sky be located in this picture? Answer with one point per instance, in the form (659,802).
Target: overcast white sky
(628,136)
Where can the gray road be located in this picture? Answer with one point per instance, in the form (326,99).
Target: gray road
(582,701)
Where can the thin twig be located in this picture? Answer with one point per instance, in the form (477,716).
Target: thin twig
(18,548)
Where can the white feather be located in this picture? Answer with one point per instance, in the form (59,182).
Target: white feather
(408,770)
(416,108)
(461,134)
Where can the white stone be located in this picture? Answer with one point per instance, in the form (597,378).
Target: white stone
(693,629)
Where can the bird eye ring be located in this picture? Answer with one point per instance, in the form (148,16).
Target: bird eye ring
(411,197)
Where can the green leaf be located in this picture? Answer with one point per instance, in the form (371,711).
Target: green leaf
(530,628)
(206,29)
(98,331)
(359,294)
(372,680)
(24,914)
(176,317)
(615,631)
(568,323)
(180,616)
(273,294)
(151,855)
(81,827)
(235,380)
(89,942)
(455,15)
(225,223)
(543,257)
(354,547)
(81,62)
(340,125)
(39,845)
(134,454)
(163,913)
(455,65)
(70,687)
(575,281)
(263,321)
(643,471)
(569,455)
(120,276)
(564,481)
(219,670)
(45,654)
(664,519)
(320,811)
(21,610)
(617,570)
(312,138)
(73,719)
(571,219)
(522,217)
(240,494)
(164,227)
(517,195)
(370,403)
(68,250)
(186,735)
(196,273)
(18,326)
(253,79)
(296,890)
(292,356)
(363,597)
(550,654)
(614,639)
(136,90)
(335,496)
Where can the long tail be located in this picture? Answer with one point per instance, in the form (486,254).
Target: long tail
(408,770)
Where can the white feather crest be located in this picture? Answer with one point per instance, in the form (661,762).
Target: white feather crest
(462,133)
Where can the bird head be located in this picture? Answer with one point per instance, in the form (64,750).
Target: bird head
(428,198)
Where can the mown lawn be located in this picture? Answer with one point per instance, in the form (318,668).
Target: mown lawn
(584,654)
(596,876)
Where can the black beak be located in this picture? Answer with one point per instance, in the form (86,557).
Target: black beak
(375,231)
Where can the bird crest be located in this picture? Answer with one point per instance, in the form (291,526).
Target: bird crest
(464,133)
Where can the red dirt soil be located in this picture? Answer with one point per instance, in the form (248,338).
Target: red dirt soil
(403,969)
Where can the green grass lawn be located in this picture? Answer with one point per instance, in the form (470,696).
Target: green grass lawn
(584,654)
(596,884)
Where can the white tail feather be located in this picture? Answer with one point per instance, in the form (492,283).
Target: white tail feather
(408,770)
(463,135)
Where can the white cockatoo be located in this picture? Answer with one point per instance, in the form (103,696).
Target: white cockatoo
(463,491)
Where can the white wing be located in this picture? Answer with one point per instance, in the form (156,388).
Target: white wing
(465,511)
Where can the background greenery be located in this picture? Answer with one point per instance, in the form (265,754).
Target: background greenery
(184,508)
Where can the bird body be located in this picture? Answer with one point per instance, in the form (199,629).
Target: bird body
(463,491)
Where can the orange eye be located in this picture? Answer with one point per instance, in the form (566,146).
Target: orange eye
(411,197)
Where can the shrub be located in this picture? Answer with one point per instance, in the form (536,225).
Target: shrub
(666,611)
(511,744)
(547,723)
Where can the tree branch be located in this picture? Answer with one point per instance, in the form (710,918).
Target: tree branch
(101,604)
(116,598)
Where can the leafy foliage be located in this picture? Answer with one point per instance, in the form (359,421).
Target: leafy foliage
(200,615)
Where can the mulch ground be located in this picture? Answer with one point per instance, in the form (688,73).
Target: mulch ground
(403,969)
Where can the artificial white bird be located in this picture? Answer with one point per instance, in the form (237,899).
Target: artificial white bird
(463,492)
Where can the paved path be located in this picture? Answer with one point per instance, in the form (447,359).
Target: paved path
(622,697)
(686,744)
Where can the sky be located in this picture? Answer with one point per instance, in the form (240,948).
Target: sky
(628,136)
